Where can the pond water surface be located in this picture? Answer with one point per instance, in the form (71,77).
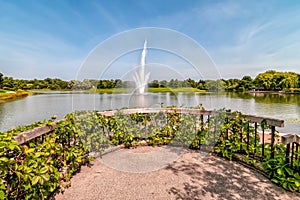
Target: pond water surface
(43,106)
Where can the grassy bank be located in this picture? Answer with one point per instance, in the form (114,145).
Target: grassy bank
(175,90)
(113,90)
(6,95)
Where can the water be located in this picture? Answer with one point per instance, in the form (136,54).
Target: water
(39,107)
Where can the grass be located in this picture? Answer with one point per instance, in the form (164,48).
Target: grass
(175,90)
(6,95)
(111,90)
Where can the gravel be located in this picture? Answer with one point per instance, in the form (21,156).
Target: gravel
(176,174)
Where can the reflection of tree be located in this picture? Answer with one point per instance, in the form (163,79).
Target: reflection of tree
(279,98)
(267,97)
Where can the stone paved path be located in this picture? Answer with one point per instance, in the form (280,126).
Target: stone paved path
(190,176)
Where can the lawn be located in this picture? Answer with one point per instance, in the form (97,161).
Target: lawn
(175,90)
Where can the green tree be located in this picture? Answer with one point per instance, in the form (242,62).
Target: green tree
(246,83)
(272,80)
(215,85)
(154,84)
(1,80)
(202,85)
(163,83)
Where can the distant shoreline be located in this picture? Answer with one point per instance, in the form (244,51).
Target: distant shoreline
(273,92)
(6,96)
(117,90)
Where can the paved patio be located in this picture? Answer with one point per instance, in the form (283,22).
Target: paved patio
(175,174)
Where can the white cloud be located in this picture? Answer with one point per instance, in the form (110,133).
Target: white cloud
(39,55)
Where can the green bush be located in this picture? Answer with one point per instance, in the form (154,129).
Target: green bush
(33,170)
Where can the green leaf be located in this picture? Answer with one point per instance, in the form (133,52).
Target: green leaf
(4,159)
(297,183)
(280,171)
(2,195)
(35,180)
(30,150)
(289,170)
(3,145)
(41,180)
(46,177)
(44,170)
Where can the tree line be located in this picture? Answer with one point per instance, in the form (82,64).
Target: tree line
(268,81)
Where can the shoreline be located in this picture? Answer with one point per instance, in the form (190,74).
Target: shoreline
(8,96)
(272,92)
(118,90)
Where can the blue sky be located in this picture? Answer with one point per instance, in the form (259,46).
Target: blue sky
(40,38)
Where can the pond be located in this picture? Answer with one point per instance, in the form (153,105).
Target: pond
(43,106)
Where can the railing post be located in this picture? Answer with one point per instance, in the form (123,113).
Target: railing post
(241,139)
(292,156)
(202,122)
(145,132)
(208,124)
(195,125)
(215,129)
(227,136)
(263,142)
(287,153)
(248,136)
(272,141)
(296,157)
(255,138)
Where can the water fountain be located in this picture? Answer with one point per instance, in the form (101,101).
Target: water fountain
(139,77)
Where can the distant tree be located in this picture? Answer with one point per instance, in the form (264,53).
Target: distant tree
(8,83)
(118,83)
(202,85)
(154,84)
(163,83)
(215,85)
(192,83)
(187,83)
(231,84)
(1,80)
(272,80)
(246,83)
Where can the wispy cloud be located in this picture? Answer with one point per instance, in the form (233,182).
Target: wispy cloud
(218,11)
(40,56)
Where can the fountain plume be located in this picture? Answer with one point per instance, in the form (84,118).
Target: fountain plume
(140,78)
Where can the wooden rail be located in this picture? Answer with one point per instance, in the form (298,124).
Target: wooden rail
(290,138)
(39,131)
(251,118)
(34,133)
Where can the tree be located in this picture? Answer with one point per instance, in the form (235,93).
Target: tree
(1,80)
(8,83)
(272,80)
(215,85)
(153,84)
(163,83)
(202,85)
(246,83)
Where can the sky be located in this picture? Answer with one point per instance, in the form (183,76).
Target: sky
(40,38)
